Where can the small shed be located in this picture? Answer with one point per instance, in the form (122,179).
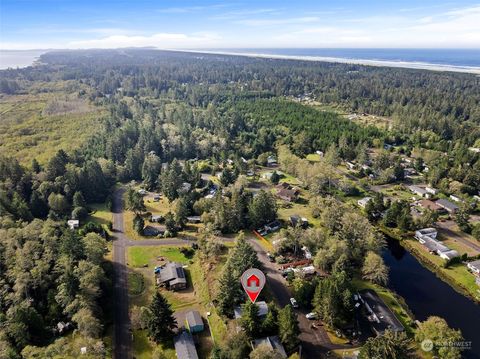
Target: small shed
(73,223)
(194,322)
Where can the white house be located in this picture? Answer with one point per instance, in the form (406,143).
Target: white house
(474,267)
(363,202)
(431,190)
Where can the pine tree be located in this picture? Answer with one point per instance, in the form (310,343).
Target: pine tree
(228,291)
(161,324)
(288,329)
(249,320)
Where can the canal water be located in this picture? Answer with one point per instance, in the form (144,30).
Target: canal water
(427,295)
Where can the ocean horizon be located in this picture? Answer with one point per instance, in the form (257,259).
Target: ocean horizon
(459,60)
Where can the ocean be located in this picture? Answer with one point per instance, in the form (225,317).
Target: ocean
(458,60)
(14,58)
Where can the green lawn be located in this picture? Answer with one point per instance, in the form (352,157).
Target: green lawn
(139,256)
(143,347)
(136,283)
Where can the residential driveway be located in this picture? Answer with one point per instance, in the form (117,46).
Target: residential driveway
(315,342)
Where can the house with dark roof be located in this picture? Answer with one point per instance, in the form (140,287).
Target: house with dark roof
(194,321)
(272,343)
(184,346)
(172,276)
(427,204)
(286,192)
(447,205)
(296,220)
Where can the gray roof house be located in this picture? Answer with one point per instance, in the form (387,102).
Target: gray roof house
(194,321)
(262,310)
(474,267)
(272,343)
(447,205)
(422,192)
(184,346)
(172,276)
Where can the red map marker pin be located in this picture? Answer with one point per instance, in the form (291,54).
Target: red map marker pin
(253,280)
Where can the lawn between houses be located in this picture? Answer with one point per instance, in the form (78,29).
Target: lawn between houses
(201,278)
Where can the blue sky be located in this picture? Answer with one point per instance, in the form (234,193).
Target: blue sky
(38,24)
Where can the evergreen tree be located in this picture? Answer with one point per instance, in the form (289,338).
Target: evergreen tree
(161,324)
(288,329)
(249,320)
(389,345)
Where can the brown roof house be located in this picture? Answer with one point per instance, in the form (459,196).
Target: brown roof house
(172,276)
(286,192)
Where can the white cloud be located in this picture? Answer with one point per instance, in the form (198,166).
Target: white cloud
(161,40)
(270,22)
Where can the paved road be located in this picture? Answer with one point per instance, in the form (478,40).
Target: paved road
(315,342)
(445,228)
(122,335)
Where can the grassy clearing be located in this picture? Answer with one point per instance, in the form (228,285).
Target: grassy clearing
(136,283)
(139,256)
(143,347)
(314,157)
(36,126)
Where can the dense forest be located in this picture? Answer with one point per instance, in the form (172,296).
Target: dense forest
(169,106)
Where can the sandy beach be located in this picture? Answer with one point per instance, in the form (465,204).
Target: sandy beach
(379,63)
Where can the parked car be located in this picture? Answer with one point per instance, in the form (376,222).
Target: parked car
(271,257)
(294,302)
(311,316)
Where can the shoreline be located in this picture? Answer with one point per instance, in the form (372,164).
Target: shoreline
(365,62)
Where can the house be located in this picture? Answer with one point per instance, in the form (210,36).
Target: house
(250,173)
(73,223)
(474,267)
(427,237)
(194,322)
(262,310)
(185,187)
(286,192)
(305,271)
(272,161)
(296,220)
(419,191)
(431,190)
(172,276)
(363,202)
(426,232)
(350,165)
(156,218)
(142,192)
(273,226)
(184,346)
(156,198)
(272,343)
(455,198)
(194,219)
(152,231)
(427,204)
(447,205)
(307,253)
(408,171)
